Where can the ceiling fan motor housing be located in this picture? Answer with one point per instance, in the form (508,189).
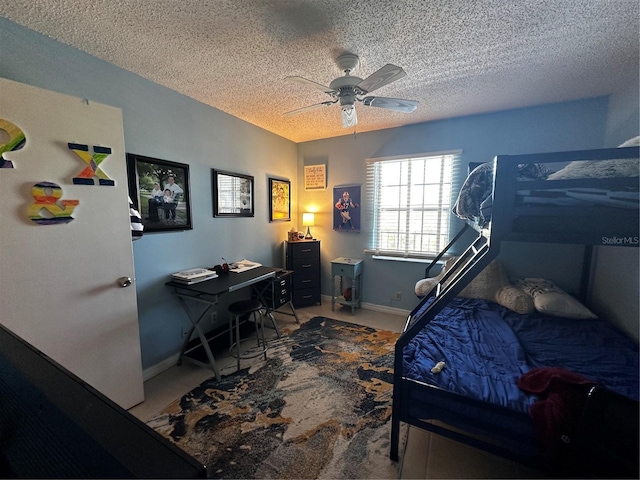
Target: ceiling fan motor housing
(347,62)
(346,88)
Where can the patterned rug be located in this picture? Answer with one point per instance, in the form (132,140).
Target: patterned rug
(319,407)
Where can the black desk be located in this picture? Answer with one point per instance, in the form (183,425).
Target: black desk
(198,300)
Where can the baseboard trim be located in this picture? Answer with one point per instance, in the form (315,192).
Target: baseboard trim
(375,307)
(160,367)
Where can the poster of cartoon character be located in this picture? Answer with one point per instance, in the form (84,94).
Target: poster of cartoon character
(346,212)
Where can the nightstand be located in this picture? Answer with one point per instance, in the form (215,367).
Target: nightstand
(350,268)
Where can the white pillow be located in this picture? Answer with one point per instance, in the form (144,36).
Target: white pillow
(551,300)
(561,304)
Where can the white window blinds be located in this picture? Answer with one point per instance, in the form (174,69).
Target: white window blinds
(411,202)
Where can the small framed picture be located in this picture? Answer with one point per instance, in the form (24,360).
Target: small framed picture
(232,194)
(315,177)
(280,200)
(159,190)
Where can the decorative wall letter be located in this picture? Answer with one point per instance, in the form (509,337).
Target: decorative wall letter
(48,209)
(85,177)
(16,141)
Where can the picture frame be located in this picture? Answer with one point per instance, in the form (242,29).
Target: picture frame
(279,200)
(232,194)
(161,210)
(315,177)
(346,208)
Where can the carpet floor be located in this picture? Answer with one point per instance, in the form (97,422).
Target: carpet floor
(318,407)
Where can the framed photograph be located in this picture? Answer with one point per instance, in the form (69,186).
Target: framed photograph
(280,200)
(232,194)
(346,211)
(160,191)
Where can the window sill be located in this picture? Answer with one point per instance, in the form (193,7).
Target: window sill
(398,258)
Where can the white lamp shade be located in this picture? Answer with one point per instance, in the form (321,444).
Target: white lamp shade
(308,220)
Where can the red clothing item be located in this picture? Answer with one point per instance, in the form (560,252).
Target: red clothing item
(562,395)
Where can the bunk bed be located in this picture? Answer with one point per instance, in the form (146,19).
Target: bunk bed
(517,382)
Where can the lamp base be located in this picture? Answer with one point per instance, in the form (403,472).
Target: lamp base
(308,236)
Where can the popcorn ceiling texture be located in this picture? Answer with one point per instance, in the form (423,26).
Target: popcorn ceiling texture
(460,57)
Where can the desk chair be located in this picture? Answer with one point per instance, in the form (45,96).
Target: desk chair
(244,309)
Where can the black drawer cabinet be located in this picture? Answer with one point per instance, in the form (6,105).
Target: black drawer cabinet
(278,292)
(304,259)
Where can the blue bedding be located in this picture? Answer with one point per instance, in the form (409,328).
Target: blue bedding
(487,348)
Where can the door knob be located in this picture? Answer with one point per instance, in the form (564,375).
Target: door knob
(124,281)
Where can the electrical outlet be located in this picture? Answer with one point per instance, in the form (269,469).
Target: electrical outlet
(398,295)
(214,317)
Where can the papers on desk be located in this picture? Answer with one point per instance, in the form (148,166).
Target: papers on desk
(243,265)
(193,275)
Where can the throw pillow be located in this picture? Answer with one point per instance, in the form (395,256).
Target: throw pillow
(561,304)
(486,285)
(515,299)
(551,300)
(425,285)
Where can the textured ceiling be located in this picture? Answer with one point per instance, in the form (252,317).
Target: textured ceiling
(461,57)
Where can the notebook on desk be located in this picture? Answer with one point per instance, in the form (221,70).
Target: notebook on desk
(193,275)
(243,265)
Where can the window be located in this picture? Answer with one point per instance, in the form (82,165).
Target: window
(411,204)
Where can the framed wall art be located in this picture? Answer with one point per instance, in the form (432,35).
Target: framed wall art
(232,194)
(346,211)
(160,191)
(279,200)
(315,177)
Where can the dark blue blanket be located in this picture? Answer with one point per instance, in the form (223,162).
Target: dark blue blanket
(486,349)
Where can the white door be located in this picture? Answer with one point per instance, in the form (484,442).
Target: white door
(62,250)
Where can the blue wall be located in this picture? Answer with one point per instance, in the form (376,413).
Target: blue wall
(164,124)
(565,126)
(161,123)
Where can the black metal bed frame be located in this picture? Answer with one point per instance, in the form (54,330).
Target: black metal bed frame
(509,222)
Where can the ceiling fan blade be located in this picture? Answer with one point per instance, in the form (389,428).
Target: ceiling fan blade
(349,116)
(310,83)
(395,104)
(308,109)
(387,74)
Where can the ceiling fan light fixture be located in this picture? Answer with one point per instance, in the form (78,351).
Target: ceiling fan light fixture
(349,116)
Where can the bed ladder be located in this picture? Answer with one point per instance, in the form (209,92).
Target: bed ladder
(468,265)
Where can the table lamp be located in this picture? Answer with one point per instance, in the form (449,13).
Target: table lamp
(308,220)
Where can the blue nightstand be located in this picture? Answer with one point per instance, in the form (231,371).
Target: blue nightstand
(351,268)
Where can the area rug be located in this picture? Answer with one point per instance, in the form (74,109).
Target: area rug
(318,407)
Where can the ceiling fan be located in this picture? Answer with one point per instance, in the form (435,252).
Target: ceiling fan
(350,89)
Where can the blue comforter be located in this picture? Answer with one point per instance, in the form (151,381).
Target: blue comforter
(487,347)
